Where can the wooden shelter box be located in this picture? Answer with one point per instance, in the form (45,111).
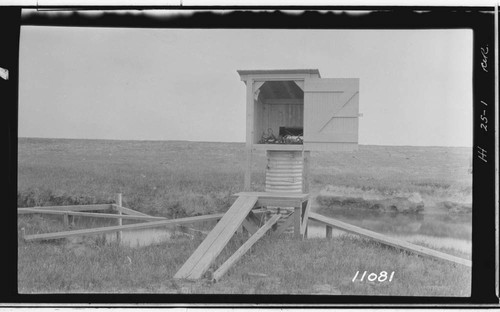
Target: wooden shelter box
(296,109)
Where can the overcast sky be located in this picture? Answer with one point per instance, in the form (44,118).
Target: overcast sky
(175,84)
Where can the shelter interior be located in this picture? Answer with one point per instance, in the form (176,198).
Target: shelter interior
(278,113)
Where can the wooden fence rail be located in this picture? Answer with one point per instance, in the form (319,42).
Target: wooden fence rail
(389,240)
(111,229)
(88,214)
(96,207)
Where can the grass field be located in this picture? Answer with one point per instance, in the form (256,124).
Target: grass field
(176,179)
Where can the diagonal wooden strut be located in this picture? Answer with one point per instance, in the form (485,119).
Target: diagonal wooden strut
(199,262)
(244,248)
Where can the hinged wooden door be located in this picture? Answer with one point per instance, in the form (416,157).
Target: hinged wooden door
(331,108)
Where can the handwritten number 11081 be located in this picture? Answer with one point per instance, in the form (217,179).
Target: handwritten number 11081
(372,277)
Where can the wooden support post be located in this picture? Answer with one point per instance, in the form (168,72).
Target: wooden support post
(248,171)
(66,220)
(118,201)
(297,215)
(306,207)
(305,172)
(328,232)
(250,134)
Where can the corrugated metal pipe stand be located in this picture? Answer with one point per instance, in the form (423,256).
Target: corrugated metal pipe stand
(284,173)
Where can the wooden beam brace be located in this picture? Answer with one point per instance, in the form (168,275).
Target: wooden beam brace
(111,229)
(244,248)
(400,244)
(129,211)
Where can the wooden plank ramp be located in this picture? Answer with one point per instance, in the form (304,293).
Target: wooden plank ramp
(201,259)
(400,244)
(244,248)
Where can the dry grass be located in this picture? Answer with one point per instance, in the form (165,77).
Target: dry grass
(176,179)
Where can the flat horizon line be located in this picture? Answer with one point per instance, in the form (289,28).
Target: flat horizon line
(242,142)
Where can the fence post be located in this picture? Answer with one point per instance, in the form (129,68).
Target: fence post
(297,215)
(66,220)
(328,232)
(118,201)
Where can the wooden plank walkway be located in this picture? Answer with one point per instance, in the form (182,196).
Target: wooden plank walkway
(400,244)
(110,229)
(201,259)
(244,248)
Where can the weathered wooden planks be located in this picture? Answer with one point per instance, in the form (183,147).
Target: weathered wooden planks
(389,240)
(201,259)
(56,235)
(88,214)
(244,248)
